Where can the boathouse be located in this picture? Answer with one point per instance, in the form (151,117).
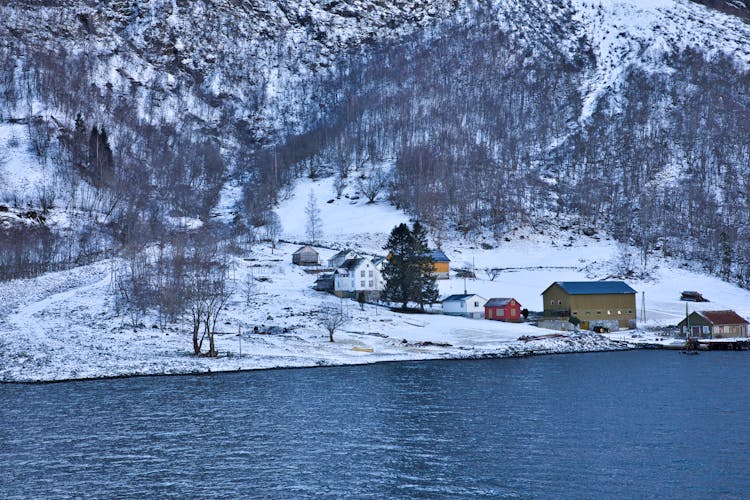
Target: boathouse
(713,325)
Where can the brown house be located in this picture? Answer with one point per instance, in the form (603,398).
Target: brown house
(306,256)
(714,325)
(595,303)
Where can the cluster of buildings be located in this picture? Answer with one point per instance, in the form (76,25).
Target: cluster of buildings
(588,305)
(349,273)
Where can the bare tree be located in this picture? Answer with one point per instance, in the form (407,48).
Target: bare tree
(371,185)
(249,287)
(314,222)
(273,229)
(331,318)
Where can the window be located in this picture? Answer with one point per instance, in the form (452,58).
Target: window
(489,313)
(370,273)
(552,302)
(501,312)
(588,313)
(598,312)
(476,304)
(575,313)
(630,311)
(609,313)
(370,283)
(362,273)
(363,283)
(512,312)
(559,302)
(619,312)
(705,329)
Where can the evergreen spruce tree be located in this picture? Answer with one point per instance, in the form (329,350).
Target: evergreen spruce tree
(408,272)
(425,287)
(397,271)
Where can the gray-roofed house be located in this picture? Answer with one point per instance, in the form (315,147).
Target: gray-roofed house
(502,309)
(357,275)
(595,303)
(340,257)
(469,305)
(306,256)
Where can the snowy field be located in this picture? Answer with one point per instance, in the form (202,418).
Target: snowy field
(62,325)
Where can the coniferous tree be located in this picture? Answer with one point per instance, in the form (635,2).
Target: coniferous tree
(425,287)
(398,272)
(408,272)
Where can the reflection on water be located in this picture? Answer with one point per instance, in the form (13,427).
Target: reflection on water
(646,423)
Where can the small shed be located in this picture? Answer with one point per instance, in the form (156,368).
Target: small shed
(714,325)
(306,256)
(469,305)
(324,282)
(502,309)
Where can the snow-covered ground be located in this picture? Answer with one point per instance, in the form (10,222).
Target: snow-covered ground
(63,326)
(21,175)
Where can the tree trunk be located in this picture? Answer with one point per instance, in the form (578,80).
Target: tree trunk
(330,335)
(196,344)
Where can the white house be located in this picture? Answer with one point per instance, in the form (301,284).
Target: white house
(357,275)
(339,258)
(470,305)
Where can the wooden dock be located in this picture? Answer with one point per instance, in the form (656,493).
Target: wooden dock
(724,344)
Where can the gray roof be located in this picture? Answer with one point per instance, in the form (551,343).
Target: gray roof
(498,302)
(306,248)
(350,264)
(341,253)
(458,297)
(593,287)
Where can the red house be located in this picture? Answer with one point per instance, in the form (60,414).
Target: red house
(502,310)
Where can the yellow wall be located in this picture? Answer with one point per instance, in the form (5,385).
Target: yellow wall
(441,267)
(587,308)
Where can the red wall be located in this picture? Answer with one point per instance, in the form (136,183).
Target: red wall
(507,314)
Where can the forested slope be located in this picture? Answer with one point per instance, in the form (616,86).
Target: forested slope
(618,116)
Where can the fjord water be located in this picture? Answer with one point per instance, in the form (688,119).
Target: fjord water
(627,424)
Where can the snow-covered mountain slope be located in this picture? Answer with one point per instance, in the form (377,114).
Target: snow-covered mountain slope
(646,34)
(211,61)
(64,326)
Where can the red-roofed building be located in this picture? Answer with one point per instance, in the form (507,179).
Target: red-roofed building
(714,325)
(502,309)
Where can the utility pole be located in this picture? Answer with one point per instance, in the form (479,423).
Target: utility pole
(643,306)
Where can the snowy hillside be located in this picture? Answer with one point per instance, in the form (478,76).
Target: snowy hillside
(538,141)
(646,33)
(63,325)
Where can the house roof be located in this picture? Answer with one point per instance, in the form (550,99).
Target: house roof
(461,297)
(592,287)
(723,317)
(342,253)
(350,264)
(498,302)
(305,248)
(439,256)
(377,260)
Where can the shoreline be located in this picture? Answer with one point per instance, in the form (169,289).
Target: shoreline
(620,346)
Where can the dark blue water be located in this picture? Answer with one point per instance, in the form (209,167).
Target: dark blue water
(633,424)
